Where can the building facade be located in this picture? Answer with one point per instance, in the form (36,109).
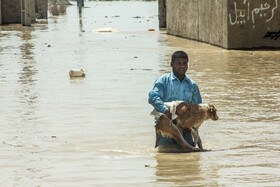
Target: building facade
(22,11)
(231,24)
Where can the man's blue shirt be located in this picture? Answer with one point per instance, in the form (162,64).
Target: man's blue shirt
(168,88)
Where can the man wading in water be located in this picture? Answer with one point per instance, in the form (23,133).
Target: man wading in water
(175,86)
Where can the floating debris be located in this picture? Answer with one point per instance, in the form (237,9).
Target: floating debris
(147,69)
(151,29)
(106,30)
(141,69)
(76,73)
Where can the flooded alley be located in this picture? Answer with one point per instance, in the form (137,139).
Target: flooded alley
(97,131)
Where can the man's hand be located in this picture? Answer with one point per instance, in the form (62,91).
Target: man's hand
(168,114)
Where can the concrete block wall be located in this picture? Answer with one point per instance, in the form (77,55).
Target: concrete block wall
(28,15)
(231,24)
(162,13)
(182,18)
(253,23)
(30,7)
(42,8)
(0,12)
(11,11)
(212,22)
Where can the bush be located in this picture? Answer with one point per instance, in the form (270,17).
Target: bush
(62,7)
(53,8)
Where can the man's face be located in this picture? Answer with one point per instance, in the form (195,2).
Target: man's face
(180,66)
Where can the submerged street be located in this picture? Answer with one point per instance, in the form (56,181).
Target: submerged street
(97,131)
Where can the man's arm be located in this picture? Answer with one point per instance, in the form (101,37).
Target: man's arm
(156,95)
(196,98)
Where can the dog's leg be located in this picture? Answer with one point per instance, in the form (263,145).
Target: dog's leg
(177,136)
(199,142)
(167,128)
(157,138)
(197,139)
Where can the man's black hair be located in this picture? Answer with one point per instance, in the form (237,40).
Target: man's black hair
(179,54)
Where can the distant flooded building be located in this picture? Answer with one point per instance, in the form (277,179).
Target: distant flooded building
(231,24)
(22,11)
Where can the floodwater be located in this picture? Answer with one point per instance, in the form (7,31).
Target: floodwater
(96,131)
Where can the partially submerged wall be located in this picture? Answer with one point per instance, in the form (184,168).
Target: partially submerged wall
(227,23)
(253,23)
(198,19)
(11,11)
(42,9)
(212,22)
(22,11)
(162,13)
(27,12)
(0,12)
(182,18)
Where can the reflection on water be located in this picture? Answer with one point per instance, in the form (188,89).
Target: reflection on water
(183,170)
(28,97)
(17,45)
(81,23)
(96,131)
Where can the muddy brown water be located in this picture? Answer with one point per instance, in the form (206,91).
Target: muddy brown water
(96,131)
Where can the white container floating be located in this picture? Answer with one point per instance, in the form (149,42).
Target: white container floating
(76,73)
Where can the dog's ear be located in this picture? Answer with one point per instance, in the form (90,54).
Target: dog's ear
(213,112)
(211,107)
(184,108)
(181,109)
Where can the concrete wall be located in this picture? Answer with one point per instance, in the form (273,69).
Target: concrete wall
(22,11)
(11,11)
(162,13)
(0,12)
(212,22)
(28,15)
(253,23)
(30,7)
(182,18)
(227,23)
(42,9)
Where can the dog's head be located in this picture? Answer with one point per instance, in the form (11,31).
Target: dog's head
(212,111)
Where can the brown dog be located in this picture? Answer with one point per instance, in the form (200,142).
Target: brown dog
(190,118)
